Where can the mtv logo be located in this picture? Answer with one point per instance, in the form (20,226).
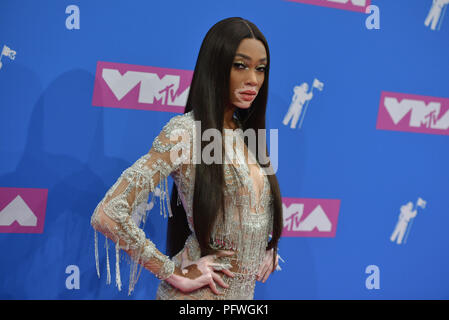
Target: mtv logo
(129,86)
(22,210)
(413,113)
(351,5)
(310,217)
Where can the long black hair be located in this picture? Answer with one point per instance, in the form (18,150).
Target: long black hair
(208,97)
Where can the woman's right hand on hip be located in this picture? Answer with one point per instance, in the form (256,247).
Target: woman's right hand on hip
(200,273)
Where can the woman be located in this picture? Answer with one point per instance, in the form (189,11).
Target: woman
(222,216)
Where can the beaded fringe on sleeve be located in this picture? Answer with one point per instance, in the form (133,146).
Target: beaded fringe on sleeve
(130,227)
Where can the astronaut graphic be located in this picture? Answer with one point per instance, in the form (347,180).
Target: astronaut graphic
(300,96)
(435,13)
(405,216)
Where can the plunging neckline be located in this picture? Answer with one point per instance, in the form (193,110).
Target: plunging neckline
(250,176)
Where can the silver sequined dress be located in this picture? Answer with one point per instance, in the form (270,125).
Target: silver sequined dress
(248,212)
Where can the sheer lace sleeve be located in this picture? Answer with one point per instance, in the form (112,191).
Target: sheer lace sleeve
(270,233)
(123,208)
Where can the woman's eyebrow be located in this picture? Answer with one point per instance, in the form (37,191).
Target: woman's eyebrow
(248,58)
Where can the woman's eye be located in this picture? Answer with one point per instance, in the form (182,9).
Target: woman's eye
(238,64)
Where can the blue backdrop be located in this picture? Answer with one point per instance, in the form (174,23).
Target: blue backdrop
(54,139)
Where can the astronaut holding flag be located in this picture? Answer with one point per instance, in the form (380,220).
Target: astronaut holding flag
(299,98)
(406,215)
(7,52)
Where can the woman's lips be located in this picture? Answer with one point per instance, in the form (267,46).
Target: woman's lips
(247,96)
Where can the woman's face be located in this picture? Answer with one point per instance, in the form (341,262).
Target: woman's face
(247,72)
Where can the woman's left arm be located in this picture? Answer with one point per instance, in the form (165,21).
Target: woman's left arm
(266,268)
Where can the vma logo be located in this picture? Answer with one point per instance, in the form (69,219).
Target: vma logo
(310,217)
(129,86)
(22,210)
(352,5)
(413,113)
